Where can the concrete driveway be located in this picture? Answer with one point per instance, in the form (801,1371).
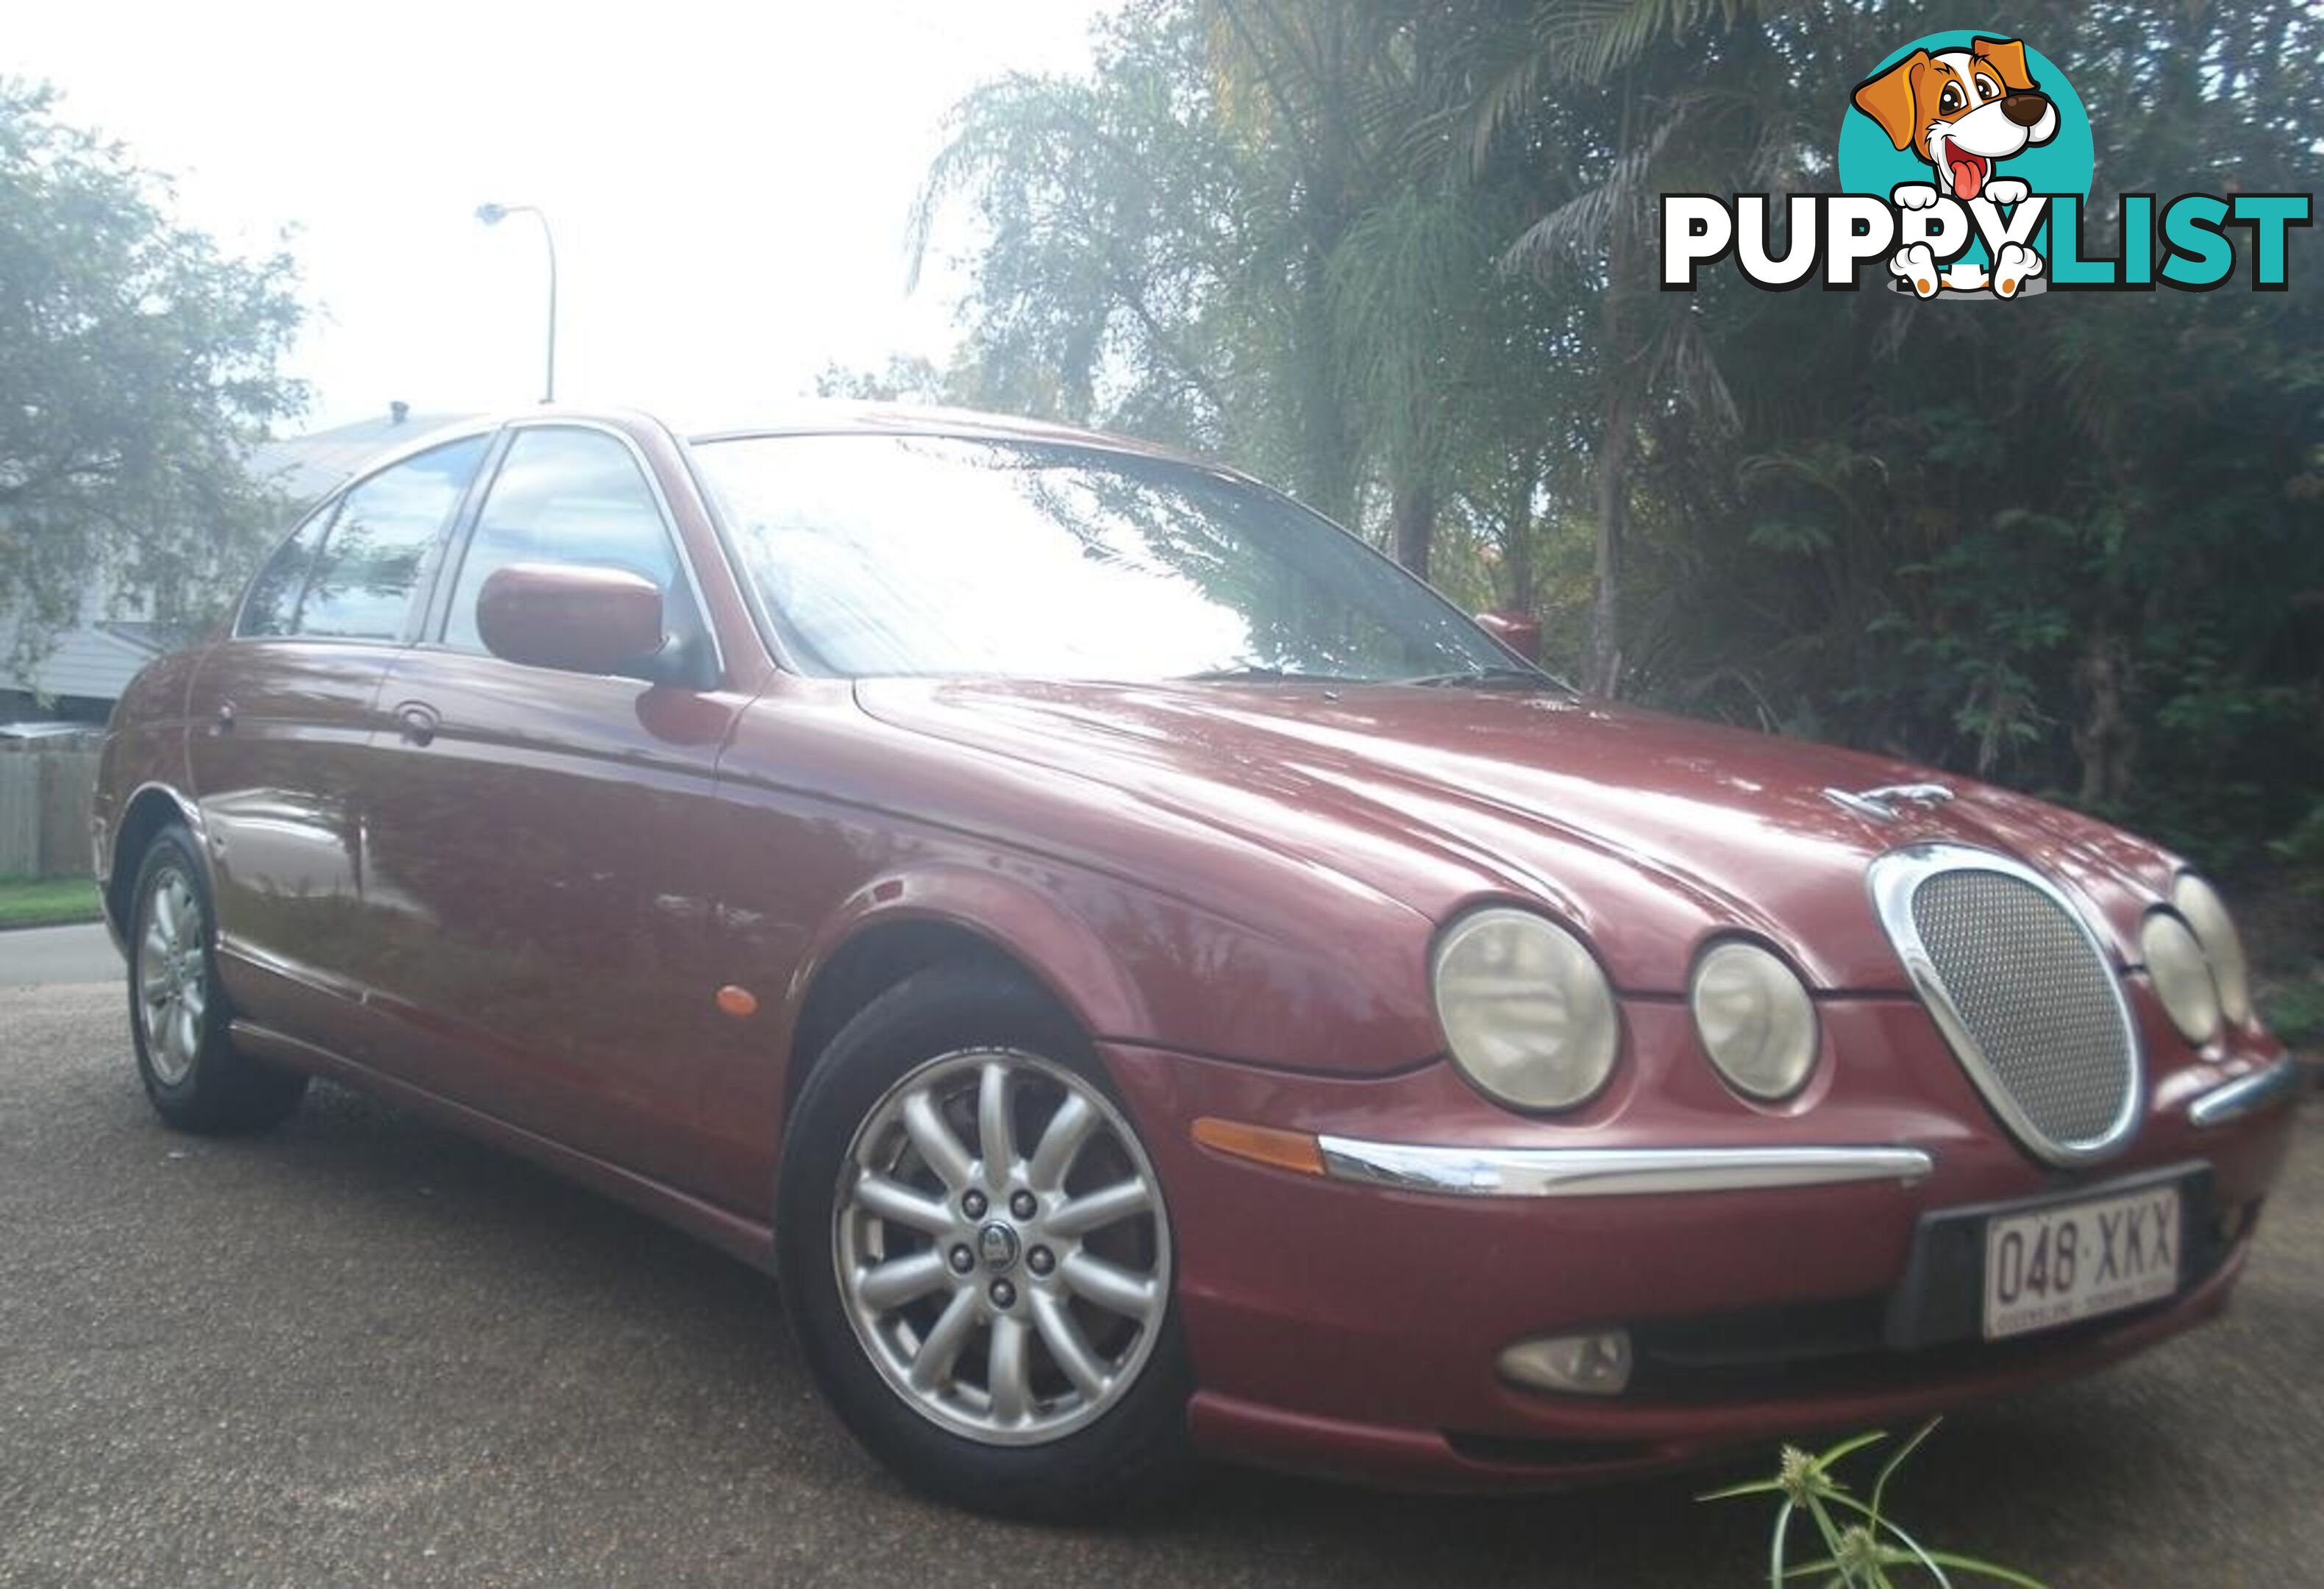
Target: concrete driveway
(363,1350)
(33,955)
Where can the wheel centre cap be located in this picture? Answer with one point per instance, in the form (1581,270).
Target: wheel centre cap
(997,1245)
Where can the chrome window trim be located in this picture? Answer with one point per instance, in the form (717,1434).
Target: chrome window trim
(421,598)
(332,500)
(1893,879)
(435,626)
(787,655)
(1611,1172)
(326,509)
(2248,1094)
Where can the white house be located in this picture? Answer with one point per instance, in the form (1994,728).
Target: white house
(92,662)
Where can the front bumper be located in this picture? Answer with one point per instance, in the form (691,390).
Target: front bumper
(1349,1321)
(1611,1172)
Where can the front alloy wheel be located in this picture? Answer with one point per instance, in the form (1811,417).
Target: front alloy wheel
(976,1254)
(1005,1257)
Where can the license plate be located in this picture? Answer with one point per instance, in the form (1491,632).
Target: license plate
(2052,1266)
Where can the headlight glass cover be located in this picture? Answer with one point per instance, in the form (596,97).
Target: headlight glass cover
(1527,1012)
(2182,976)
(1755,1019)
(2215,929)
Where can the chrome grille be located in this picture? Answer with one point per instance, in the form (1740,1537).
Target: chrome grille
(2024,992)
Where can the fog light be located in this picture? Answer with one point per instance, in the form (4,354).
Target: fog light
(1595,1364)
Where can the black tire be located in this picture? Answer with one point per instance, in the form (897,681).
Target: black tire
(1136,1448)
(208,1085)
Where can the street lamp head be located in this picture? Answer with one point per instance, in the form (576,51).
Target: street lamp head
(492,214)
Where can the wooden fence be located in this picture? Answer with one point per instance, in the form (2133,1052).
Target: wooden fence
(44,812)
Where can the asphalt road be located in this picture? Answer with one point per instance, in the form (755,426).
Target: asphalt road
(31,955)
(364,1351)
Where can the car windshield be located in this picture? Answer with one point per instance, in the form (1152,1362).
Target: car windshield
(882,555)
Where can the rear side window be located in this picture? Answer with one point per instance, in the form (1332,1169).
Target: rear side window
(271,607)
(361,585)
(565,495)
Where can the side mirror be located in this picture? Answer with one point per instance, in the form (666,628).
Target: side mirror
(585,620)
(1517,631)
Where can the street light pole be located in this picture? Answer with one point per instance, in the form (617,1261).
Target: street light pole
(491,215)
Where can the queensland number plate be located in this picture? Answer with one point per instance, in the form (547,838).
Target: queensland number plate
(2051,1266)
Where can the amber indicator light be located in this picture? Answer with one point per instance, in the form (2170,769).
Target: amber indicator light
(1293,1151)
(739,1002)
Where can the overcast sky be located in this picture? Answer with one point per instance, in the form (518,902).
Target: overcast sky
(729,184)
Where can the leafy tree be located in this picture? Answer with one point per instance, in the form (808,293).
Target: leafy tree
(2075,549)
(1239,233)
(904,378)
(138,363)
(1402,258)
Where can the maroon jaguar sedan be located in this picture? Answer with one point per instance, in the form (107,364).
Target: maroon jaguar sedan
(1150,976)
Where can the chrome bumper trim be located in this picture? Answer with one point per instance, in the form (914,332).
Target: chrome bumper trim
(2247,1094)
(1610,1172)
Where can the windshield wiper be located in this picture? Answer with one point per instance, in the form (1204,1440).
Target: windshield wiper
(1259,674)
(1469,678)
(1484,678)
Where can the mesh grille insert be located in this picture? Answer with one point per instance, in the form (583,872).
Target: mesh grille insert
(2041,1004)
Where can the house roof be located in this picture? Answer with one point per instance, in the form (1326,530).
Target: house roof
(156,638)
(89,659)
(305,466)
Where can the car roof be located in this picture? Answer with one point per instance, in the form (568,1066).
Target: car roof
(832,416)
(818,417)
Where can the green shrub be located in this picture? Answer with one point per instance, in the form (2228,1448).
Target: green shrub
(1861,1546)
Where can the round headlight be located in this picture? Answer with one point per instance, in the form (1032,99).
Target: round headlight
(2182,976)
(1527,1012)
(1755,1019)
(2215,929)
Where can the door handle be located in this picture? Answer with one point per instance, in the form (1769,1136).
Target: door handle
(417,721)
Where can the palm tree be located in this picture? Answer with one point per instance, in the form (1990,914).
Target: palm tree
(1684,90)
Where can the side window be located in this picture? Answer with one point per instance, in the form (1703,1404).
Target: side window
(372,561)
(565,495)
(271,607)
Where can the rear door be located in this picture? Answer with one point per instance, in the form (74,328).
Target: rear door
(547,834)
(282,717)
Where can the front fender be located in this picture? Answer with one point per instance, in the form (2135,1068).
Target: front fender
(1150,925)
(1037,930)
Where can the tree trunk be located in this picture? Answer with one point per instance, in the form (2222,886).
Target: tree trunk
(1324,429)
(1327,473)
(1412,524)
(2105,741)
(1613,516)
(1516,545)
(1617,359)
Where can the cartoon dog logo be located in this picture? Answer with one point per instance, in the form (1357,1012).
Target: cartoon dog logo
(1963,111)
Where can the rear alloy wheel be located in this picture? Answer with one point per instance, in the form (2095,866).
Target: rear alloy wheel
(991,1305)
(178,1014)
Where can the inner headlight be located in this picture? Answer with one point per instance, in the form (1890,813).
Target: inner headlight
(2215,930)
(1755,1019)
(2182,976)
(1527,1014)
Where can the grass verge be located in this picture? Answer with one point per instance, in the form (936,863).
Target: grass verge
(46,902)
